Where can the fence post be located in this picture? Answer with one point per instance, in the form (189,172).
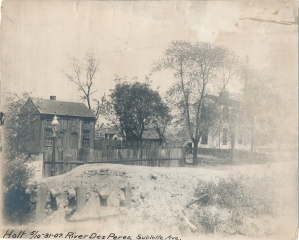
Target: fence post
(41,202)
(183,155)
(81,198)
(44,165)
(151,161)
(231,155)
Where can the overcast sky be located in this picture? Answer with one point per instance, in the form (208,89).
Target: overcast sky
(39,36)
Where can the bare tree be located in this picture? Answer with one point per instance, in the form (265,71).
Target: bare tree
(83,76)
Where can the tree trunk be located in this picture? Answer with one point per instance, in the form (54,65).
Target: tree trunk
(252,136)
(195,143)
(232,147)
(88,102)
(219,136)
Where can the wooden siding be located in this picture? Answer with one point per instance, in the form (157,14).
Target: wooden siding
(34,140)
(67,127)
(92,134)
(80,134)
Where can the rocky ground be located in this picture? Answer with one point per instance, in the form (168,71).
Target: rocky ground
(159,198)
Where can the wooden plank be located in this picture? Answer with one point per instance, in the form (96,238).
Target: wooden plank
(97,155)
(75,154)
(92,155)
(85,155)
(48,157)
(57,170)
(100,155)
(47,170)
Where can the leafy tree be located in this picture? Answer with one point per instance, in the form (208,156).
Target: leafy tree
(106,109)
(17,125)
(196,70)
(16,171)
(281,123)
(138,108)
(83,76)
(259,105)
(16,174)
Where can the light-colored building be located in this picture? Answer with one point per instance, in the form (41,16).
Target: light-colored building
(228,133)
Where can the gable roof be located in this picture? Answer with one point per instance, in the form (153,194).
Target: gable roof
(178,142)
(230,102)
(150,134)
(73,109)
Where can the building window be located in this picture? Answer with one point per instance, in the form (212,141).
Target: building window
(240,140)
(86,138)
(108,135)
(86,134)
(85,142)
(225,112)
(224,140)
(48,137)
(233,114)
(86,122)
(49,119)
(204,137)
(48,122)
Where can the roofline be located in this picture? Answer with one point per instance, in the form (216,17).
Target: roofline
(29,98)
(231,104)
(59,101)
(66,115)
(59,114)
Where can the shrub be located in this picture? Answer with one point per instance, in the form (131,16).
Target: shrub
(233,200)
(16,202)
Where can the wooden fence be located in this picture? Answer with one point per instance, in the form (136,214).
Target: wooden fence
(256,156)
(68,159)
(238,154)
(156,157)
(103,144)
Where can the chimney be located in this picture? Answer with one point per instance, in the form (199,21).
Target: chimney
(53,98)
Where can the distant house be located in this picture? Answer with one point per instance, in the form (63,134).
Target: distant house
(177,142)
(106,133)
(76,124)
(151,135)
(223,136)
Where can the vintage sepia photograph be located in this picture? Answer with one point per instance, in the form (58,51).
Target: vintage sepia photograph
(152,120)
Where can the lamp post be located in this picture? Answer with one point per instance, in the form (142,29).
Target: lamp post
(54,124)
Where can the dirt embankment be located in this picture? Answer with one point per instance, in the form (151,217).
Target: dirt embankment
(159,195)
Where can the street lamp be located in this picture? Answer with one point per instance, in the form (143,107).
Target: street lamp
(54,124)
